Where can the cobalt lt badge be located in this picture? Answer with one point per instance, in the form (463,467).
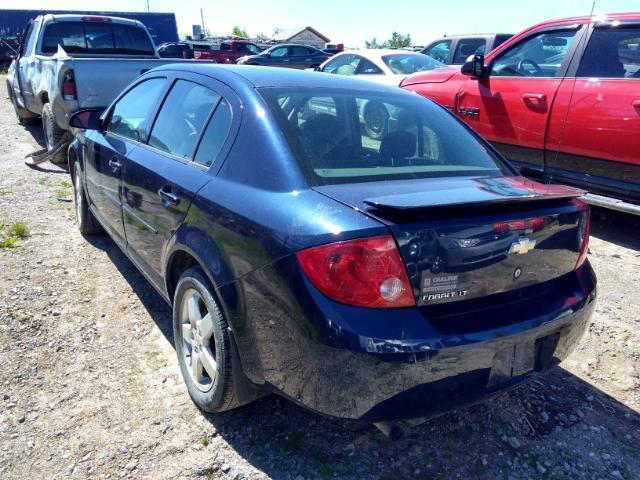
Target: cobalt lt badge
(522,246)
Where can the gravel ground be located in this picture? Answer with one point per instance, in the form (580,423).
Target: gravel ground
(90,386)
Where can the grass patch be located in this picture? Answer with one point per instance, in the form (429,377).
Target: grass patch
(4,191)
(64,190)
(11,234)
(204,441)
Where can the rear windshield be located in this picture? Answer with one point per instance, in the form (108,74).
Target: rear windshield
(345,137)
(96,37)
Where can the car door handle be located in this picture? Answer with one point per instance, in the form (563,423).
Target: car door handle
(115,166)
(540,97)
(169,199)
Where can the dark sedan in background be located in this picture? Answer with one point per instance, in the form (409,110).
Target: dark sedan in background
(287,55)
(300,254)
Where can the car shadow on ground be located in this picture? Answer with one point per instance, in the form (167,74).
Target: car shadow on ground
(616,227)
(524,431)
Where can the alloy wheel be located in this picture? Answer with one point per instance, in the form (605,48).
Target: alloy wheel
(198,345)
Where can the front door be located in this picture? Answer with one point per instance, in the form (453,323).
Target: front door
(596,141)
(511,105)
(164,175)
(109,151)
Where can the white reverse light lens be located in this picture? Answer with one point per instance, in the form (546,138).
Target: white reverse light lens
(391,289)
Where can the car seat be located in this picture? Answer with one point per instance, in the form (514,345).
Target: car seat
(397,148)
(319,135)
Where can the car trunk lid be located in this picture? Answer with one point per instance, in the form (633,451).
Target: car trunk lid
(469,237)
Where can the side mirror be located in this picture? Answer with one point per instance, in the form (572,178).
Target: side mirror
(474,66)
(88,119)
(317,69)
(266,54)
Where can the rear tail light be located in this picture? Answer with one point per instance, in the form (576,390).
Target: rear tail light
(365,272)
(524,224)
(69,86)
(584,229)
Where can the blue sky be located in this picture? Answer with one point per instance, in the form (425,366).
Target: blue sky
(352,22)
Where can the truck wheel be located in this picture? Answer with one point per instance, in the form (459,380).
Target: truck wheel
(87,224)
(202,343)
(52,133)
(24,117)
(376,120)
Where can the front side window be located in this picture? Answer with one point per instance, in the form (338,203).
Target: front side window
(182,118)
(132,111)
(612,52)
(467,47)
(280,52)
(539,56)
(251,48)
(342,65)
(408,63)
(328,135)
(439,50)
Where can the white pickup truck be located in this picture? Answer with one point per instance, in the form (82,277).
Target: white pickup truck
(69,62)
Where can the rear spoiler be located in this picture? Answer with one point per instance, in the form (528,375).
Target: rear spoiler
(468,198)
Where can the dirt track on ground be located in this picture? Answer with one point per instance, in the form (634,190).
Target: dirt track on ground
(90,387)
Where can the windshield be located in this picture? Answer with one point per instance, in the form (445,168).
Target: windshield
(344,137)
(96,37)
(408,63)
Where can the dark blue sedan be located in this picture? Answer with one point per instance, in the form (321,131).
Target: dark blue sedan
(373,279)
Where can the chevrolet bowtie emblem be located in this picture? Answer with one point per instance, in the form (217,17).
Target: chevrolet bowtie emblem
(522,246)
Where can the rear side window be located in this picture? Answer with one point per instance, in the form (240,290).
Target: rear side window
(344,137)
(182,117)
(132,111)
(96,37)
(467,47)
(214,135)
(612,52)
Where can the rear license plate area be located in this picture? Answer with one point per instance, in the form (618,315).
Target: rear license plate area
(513,362)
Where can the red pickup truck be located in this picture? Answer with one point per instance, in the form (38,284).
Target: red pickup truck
(561,100)
(228,51)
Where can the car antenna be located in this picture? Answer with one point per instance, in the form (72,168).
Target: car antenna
(573,88)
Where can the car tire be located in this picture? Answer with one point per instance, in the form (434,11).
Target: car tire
(199,328)
(52,133)
(376,120)
(24,117)
(87,224)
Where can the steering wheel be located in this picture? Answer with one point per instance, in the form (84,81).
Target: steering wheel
(526,61)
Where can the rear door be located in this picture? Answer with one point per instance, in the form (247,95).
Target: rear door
(164,175)
(510,106)
(109,150)
(595,144)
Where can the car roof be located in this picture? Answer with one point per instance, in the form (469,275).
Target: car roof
(260,77)
(67,17)
(473,35)
(292,45)
(377,53)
